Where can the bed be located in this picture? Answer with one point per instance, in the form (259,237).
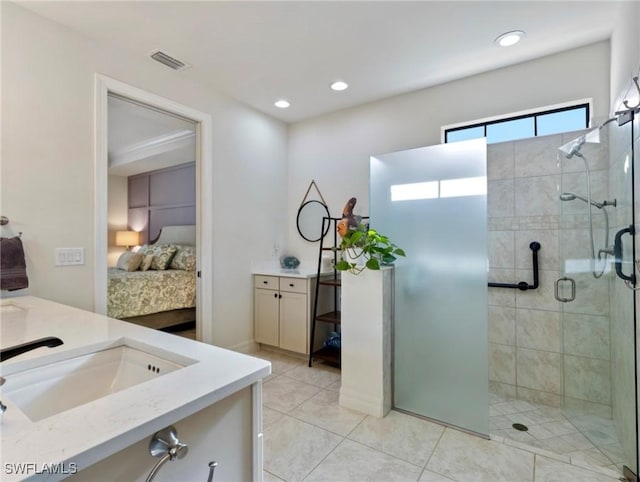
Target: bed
(158,298)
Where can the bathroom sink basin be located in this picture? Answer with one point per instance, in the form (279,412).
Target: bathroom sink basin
(62,385)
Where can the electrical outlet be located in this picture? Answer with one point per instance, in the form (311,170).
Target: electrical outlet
(69,256)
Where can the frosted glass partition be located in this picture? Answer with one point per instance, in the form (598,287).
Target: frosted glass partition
(432,202)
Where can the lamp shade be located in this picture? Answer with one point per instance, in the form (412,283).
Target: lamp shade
(127,238)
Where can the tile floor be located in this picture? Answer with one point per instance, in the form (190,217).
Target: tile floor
(583,437)
(308,436)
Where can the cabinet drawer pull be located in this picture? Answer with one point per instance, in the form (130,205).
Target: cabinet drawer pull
(279,296)
(266,282)
(291,284)
(275,295)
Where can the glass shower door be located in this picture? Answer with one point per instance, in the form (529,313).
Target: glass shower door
(431,201)
(597,309)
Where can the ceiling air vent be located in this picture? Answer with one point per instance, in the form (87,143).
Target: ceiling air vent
(168,60)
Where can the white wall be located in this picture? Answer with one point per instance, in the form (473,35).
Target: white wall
(47,164)
(625,55)
(334,149)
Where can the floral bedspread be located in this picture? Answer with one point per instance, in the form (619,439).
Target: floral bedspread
(135,293)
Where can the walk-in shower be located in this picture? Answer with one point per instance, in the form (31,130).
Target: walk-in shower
(598,336)
(560,353)
(574,150)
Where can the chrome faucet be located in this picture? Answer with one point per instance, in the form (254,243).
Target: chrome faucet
(6,353)
(49,341)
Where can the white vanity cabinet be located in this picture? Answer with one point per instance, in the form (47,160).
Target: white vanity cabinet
(282,311)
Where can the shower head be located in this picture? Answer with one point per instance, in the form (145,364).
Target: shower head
(567,196)
(572,196)
(574,150)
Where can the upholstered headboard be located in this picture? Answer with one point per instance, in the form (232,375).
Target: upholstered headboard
(177,235)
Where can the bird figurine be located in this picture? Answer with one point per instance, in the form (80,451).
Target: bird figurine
(349,220)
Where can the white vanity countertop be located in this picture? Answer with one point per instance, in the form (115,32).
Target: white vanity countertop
(307,269)
(287,273)
(95,430)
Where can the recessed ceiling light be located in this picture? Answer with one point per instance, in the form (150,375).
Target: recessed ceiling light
(509,38)
(339,85)
(282,104)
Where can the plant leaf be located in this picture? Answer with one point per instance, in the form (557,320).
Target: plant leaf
(355,237)
(399,252)
(342,265)
(388,259)
(373,264)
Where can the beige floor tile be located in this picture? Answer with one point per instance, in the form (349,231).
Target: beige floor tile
(501,422)
(318,375)
(590,457)
(293,448)
(403,436)
(270,416)
(468,458)
(279,363)
(335,386)
(548,470)
(268,477)
(540,433)
(428,476)
(352,461)
(284,393)
(323,411)
(518,435)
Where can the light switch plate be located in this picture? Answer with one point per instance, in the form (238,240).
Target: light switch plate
(69,256)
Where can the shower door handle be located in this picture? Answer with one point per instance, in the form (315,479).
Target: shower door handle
(556,291)
(617,254)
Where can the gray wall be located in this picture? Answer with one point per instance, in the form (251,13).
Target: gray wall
(163,197)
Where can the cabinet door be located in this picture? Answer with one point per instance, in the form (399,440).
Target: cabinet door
(266,314)
(293,322)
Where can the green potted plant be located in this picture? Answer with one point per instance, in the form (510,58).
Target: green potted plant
(368,245)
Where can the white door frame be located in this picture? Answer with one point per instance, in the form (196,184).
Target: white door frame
(204,196)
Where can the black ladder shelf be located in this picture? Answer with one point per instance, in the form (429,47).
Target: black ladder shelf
(329,355)
(332,280)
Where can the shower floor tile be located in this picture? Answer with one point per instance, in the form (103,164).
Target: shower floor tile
(308,436)
(588,440)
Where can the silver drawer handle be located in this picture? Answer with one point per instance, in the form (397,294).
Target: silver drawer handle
(556,293)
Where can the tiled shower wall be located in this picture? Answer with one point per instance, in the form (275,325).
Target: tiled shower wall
(536,352)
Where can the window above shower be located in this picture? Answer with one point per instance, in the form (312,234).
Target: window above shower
(540,122)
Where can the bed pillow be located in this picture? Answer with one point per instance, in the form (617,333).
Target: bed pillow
(162,256)
(129,261)
(184,259)
(147,259)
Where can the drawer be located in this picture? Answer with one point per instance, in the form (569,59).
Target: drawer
(266,282)
(294,285)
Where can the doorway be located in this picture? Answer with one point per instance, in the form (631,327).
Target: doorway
(106,87)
